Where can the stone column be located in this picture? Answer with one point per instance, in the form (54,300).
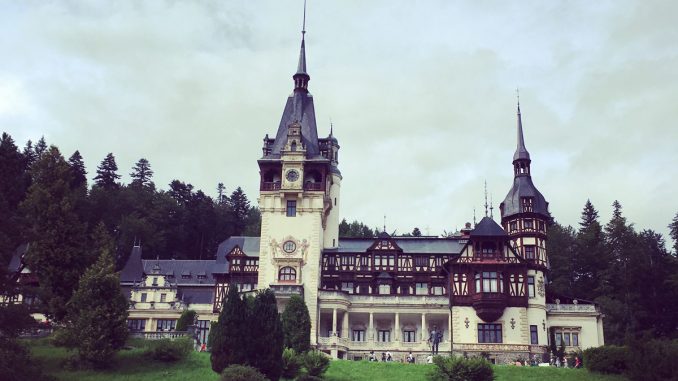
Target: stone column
(396,329)
(344,327)
(371,328)
(334,322)
(424,334)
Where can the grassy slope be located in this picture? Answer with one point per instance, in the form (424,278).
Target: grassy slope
(130,365)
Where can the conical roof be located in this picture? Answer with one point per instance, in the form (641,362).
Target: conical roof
(487,227)
(521,152)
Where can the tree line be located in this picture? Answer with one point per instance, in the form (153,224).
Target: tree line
(629,273)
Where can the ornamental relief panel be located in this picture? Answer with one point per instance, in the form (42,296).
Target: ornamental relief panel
(289,248)
(540,287)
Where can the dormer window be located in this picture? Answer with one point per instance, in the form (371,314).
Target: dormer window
(527,204)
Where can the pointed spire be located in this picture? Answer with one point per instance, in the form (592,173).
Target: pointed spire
(485,198)
(491,208)
(301,77)
(521,151)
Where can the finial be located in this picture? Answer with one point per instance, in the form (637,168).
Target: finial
(491,208)
(384,223)
(303,27)
(474,217)
(485,198)
(331,126)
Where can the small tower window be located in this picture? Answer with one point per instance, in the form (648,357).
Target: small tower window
(527,203)
(291,208)
(293,147)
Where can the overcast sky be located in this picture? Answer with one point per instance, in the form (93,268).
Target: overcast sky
(422,96)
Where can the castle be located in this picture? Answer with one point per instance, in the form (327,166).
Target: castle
(481,289)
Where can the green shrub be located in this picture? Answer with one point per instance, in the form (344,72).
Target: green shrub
(315,363)
(170,350)
(306,377)
(290,362)
(461,369)
(242,373)
(187,317)
(16,363)
(653,360)
(606,359)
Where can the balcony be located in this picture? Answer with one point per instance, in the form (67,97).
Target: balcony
(571,308)
(309,186)
(489,306)
(270,186)
(287,290)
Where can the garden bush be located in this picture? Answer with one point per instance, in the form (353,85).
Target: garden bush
(461,369)
(654,360)
(187,317)
(315,363)
(170,350)
(291,364)
(242,373)
(606,359)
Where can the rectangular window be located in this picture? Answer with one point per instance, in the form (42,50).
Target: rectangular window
(347,286)
(166,324)
(143,297)
(421,261)
(437,290)
(136,325)
(530,286)
(384,336)
(409,336)
(529,252)
(155,281)
(559,339)
(291,208)
(490,281)
(566,336)
(534,336)
(575,339)
(541,226)
(528,224)
(513,226)
(358,335)
(421,289)
(489,333)
(163,298)
(384,289)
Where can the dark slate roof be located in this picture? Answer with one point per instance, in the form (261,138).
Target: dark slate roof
(523,187)
(249,245)
(197,294)
(413,245)
(487,227)
(134,269)
(15,263)
(384,275)
(299,108)
(183,267)
(521,152)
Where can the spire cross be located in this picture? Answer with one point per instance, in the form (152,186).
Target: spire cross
(303,27)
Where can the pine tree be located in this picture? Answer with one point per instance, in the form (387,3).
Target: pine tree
(673,233)
(56,233)
(14,182)
(233,334)
(297,325)
(41,147)
(78,170)
(142,174)
(416,232)
(107,175)
(267,340)
(589,215)
(29,154)
(220,193)
(98,309)
(589,258)
(560,249)
(240,207)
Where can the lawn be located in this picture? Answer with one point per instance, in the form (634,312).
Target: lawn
(130,365)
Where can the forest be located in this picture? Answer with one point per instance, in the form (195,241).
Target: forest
(45,199)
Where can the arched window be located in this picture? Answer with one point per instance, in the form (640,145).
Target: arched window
(294,145)
(287,274)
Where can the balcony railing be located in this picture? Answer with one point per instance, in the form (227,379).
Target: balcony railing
(270,186)
(309,186)
(159,335)
(571,308)
(287,290)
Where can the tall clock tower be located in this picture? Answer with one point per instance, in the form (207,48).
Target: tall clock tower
(298,199)
(524,215)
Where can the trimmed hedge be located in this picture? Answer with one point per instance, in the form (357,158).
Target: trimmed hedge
(242,373)
(461,369)
(654,360)
(607,359)
(167,350)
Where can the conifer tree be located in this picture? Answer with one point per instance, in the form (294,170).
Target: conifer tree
(58,237)
(673,233)
(13,185)
(589,258)
(266,337)
(41,147)
(297,325)
(233,334)
(107,175)
(29,154)
(98,310)
(78,170)
(142,174)
(240,207)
